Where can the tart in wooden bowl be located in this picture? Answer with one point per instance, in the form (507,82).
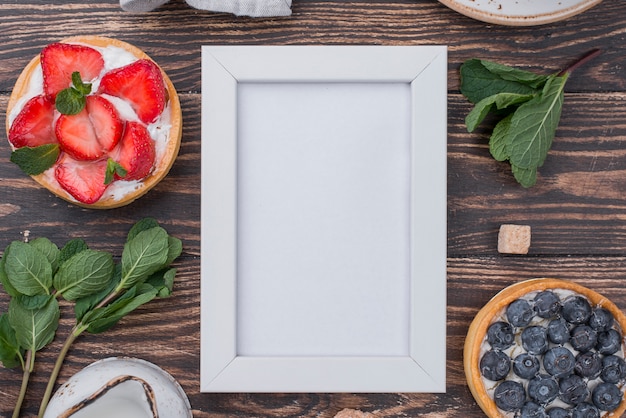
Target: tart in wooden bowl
(547,348)
(94,120)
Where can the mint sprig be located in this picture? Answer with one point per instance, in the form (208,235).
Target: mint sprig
(528,107)
(37,274)
(71,101)
(113,168)
(36,160)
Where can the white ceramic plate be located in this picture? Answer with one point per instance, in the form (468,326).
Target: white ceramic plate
(520,12)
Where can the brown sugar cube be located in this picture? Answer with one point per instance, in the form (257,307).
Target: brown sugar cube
(514,239)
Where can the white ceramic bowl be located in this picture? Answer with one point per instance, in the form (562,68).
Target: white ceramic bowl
(120,387)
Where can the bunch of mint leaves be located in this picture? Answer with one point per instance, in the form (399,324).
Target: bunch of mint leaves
(528,107)
(37,274)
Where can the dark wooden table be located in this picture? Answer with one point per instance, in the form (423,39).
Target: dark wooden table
(577,210)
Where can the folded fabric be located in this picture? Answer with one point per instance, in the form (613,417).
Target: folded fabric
(254,8)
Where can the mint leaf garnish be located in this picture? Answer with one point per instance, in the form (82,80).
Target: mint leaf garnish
(35,160)
(37,274)
(113,167)
(83,88)
(529,108)
(71,101)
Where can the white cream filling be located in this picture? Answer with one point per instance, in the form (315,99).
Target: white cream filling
(114,57)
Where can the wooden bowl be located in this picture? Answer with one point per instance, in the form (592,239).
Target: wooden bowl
(162,165)
(477,332)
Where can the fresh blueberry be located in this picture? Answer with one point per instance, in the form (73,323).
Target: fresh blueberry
(509,396)
(583,338)
(601,319)
(576,310)
(558,412)
(535,339)
(543,389)
(613,369)
(495,365)
(607,396)
(609,342)
(526,366)
(573,389)
(519,313)
(532,410)
(559,361)
(500,335)
(547,304)
(585,410)
(558,331)
(588,365)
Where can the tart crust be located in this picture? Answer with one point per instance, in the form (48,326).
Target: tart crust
(162,167)
(478,330)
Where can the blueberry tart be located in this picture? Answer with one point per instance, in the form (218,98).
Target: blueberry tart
(547,348)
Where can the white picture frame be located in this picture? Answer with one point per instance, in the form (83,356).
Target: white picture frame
(422,366)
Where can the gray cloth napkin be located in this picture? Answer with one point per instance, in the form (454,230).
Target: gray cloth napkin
(254,8)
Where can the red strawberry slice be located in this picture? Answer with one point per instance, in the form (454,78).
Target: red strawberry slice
(33,125)
(84,180)
(60,60)
(92,132)
(141,84)
(136,152)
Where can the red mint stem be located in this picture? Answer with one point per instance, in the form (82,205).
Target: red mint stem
(581,61)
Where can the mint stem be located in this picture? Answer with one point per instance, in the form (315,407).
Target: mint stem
(55,372)
(25,378)
(75,332)
(581,61)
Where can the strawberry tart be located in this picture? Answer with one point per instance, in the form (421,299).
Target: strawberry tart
(95,121)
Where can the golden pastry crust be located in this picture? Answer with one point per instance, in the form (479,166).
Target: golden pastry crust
(162,166)
(478,330)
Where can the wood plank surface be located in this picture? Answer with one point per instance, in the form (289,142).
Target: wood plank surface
(577,211)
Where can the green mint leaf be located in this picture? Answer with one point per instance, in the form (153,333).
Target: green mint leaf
(70,101)
(82,88)
(174,250)
(85,273)
(27,269)
(514,74)
(101,319)
(527,177)
(33,302)
(142,225)
(534,125)
(113,167)
(500,101)
(49,249)
(4,279)
(478,83)
(143,255)
(34,328)
(35,160)
(497,141)
(85,304)
(163,282)
(10,351)
(72,247)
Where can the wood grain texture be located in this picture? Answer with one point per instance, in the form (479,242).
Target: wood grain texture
(577,211)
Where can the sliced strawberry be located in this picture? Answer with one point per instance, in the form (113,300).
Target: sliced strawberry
(92,132)
(60,60)
(136,152)
(33,125)
(141,84)
(84,180)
